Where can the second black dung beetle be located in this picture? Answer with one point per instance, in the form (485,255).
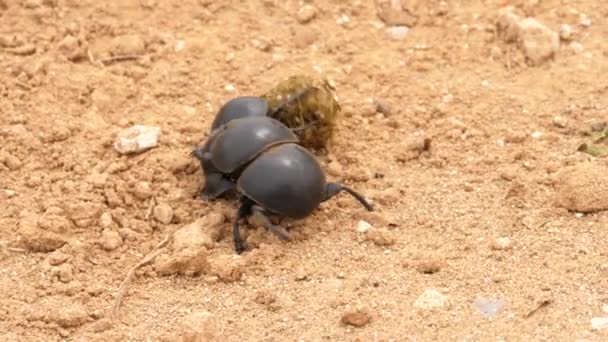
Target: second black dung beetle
(261,159)
(239,107)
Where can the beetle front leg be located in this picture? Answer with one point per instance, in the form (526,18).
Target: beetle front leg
(243,212)
(332,189)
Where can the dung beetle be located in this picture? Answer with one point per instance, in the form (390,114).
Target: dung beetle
(261,159)
(234,144)
(239,107)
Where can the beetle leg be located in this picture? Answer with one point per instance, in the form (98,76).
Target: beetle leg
(279,231)
(332,189)
(243,212)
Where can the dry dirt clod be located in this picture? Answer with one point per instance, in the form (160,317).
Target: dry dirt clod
(393,12)
(356,317)
(201,326)
(538,42)
(306,13)
(11,161)
(65,272)
(110,239)
(583,187)
(38,240)
(188,262)
(229,268)
(136,139)
(142,190)
(380,236)
(200,233)
(105,220)
(70,315)
(127,45)
(163,213)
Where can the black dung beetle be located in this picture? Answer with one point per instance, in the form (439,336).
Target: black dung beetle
(232,146)
(261,159)
(240,107)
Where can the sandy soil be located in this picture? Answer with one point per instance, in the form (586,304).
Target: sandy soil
(497,231)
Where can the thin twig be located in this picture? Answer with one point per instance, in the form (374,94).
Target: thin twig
(4,246)
(110,60)
(538,306)
(122,290)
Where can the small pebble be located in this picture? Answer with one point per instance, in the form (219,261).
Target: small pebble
(356,317)
(12,162)
(584,20)
(363,226)
(576,47)
(163,213)
(566,32)
(136,139)
(397,33)
(501,244)
(110,239)
(599,323)
(201,326)
(380,236)
(142,190)
(65,272)
(334,168)
(559,121)
(57,258)
(128,45)
(102,325)
(537,135)
(430,299)
(306,13)
(105,220)
(180,45)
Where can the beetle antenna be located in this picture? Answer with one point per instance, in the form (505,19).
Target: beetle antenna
(332,189)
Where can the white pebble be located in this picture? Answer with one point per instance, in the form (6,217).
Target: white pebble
(576,47)
(430,299)
(229,87)
(566,32)
(343,19)
(559,121)
(397,32)
(363,226)
(136,139)
(599,323)
(584,20)
(501,244)
(180,45)
(537,134)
